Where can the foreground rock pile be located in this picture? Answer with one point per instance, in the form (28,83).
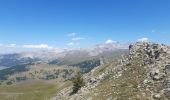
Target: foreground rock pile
(143,74)
(156,60)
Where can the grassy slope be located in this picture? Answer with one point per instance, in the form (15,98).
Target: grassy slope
(121,88)
(40,90)
(31,90)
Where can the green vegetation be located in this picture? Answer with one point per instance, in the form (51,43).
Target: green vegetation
(31,90)
(78,82)
(48,77)
(44,80)
(123,87)
(56,61)
(87,65)
(12,70)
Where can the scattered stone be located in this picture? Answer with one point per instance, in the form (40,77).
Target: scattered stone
(151,84)
(167,70)
(167,85)
(157,96)
(156,75)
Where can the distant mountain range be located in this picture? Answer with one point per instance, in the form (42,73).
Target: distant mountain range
(8,60)
(51,64)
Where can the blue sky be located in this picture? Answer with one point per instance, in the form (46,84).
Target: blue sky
(49,22)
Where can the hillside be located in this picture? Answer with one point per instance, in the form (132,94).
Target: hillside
(143,74)
(54,74)
(47,65)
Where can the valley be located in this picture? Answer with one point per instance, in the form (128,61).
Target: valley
(42,78)
(140,71)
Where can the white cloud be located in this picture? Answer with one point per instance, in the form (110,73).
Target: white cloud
(41,46)
(11,45)
(109,41)
(71,34)
(143,40)
(77,38)
(70,44)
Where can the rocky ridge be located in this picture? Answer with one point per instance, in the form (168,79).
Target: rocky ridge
(156,62)
(143,74)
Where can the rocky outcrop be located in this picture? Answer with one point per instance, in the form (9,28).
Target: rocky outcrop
(145,72)
(156,59)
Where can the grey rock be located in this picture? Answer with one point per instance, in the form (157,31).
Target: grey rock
(154,61)
(156,75)
(157,96)
(167,70)
(166,84)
